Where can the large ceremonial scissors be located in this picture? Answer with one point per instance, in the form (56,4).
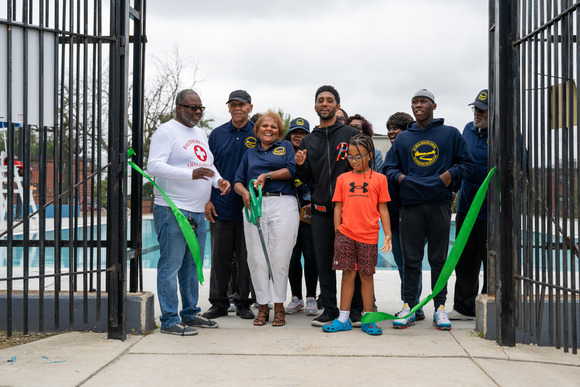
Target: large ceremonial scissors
(254,217)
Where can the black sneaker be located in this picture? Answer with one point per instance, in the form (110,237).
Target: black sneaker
(180,330)
(215,312)
(201,322)
(323,319)
(419,315)
(355,318)
(244,312)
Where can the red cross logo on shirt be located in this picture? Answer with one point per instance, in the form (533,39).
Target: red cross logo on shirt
(200,153)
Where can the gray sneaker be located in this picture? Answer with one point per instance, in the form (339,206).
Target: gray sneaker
(180,330)
(311,308)
(201,322)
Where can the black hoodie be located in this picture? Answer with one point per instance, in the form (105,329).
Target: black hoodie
(326,151)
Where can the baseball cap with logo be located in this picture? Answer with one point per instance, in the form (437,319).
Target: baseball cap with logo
(425,94)
(481,100)
(299,123)
(239,95)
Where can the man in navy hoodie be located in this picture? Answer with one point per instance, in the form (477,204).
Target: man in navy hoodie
(425,160)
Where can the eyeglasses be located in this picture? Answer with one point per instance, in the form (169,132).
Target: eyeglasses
(193,107)
(357,157)
(477,110)
(341,118)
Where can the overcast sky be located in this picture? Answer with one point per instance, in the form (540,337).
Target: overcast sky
(376,53)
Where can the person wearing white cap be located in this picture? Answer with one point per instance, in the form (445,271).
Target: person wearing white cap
(425,160)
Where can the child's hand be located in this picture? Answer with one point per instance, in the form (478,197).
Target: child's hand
(387,245)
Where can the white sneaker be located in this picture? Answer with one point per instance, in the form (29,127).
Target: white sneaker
(440,319)
(455,315)
(402,323)
(311,307)
(295,306)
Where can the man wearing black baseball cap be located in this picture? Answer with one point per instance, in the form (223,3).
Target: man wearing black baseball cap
(475,251)
(228,143)
(299,127)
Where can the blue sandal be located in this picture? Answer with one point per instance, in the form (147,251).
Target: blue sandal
(337,326)
(371,329)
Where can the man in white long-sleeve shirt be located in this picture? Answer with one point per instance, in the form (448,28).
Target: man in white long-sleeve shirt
(182,164)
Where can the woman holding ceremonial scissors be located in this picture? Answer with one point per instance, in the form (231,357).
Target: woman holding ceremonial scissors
(270,169)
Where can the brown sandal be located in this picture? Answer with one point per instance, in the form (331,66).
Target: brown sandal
(279,311)
(263,315)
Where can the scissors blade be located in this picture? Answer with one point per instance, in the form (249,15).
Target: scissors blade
(261,234)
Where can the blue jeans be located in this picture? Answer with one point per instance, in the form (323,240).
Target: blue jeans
(176,265)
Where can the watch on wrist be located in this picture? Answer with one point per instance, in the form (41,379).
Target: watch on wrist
(268,177)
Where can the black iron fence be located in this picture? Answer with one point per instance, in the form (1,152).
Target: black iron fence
(534,141)
(64,108)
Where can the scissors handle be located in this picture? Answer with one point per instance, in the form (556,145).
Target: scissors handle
(256,203)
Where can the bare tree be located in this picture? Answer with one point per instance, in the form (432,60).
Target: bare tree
(160,93)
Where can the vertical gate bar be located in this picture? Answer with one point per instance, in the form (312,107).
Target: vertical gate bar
(522,287)
(526,299)
(534,185)
(558,175)
(10,176)
(493,220)
(574,237)
(99,152)
(117,182)
(517,291)
(142,41)
(24,145)
(87,203)
(72,95)
(137,143)
(566,158)
(42,170)
(97,179)
(75,150)
(504,103)
(59,170)
(551,186)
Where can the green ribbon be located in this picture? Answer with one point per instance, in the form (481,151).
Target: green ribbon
(452,259)
(184,225)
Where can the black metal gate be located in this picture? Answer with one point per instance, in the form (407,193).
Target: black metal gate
(534,141)
(65,94)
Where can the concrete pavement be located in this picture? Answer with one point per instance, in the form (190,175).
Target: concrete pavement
(239,354)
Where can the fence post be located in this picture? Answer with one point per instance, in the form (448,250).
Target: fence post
(504,85)
(117,178)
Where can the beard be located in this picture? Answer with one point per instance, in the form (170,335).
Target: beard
(327,116)
(482,124)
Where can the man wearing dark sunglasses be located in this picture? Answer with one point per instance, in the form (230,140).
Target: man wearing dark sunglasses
(228,143)
(182,164)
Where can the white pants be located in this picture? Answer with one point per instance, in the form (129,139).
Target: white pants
(279,221)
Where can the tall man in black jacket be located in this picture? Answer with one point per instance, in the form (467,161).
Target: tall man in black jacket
(321,158)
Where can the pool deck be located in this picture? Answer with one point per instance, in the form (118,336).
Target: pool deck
(298,354)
